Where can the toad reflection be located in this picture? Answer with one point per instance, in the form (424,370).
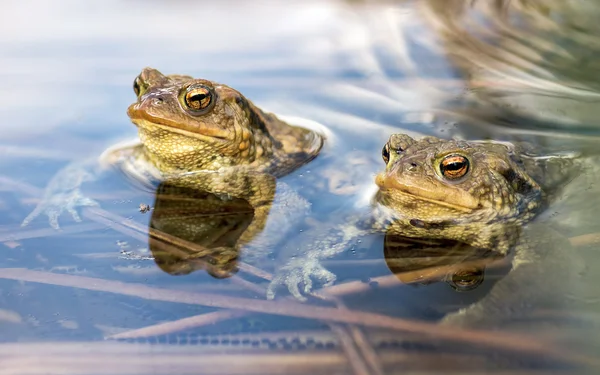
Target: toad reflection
(204,231)
(424,261)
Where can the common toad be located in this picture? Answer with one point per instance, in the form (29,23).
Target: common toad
(204,136)
(482,194)
(196,133)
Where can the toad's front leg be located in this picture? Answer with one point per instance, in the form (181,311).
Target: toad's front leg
(303,254)
(63,193)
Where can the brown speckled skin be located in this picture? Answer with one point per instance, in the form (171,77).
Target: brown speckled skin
(483,209)
(228,148)
(487,208)
(233,149)
(233,132)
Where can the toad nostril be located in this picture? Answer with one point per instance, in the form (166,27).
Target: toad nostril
(158,101)
(412,167)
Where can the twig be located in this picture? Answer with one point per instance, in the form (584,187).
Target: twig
(367,350)
(358,365)
(422,275)
(19,234)
(22,187)
(171,243)
(248,285)
(363,345)
(501,340)
(128,227)
(178,325)
(331,293)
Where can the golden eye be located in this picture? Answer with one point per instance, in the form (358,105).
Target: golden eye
(198,98)
(137,87)
(385,153)
(454,166)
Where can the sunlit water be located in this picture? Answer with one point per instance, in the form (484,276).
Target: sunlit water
(514,71)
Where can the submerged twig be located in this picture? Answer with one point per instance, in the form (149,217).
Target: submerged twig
(178,325)
(359,367)
(367,350)
(500,340)
(128,227)
(355,287)
(421,275)
(363,345)
(239,305)
(20,186)
(18,234)
(171,243)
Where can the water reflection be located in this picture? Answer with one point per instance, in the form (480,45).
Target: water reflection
(215,224)
(457,264)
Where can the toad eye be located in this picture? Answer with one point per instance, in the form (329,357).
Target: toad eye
(466,280)
(198,98)
(137,87)
(385,153)
(454,166)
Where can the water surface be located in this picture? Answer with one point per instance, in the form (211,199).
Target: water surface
(511,71)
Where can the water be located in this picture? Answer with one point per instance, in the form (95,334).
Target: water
(504,70)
